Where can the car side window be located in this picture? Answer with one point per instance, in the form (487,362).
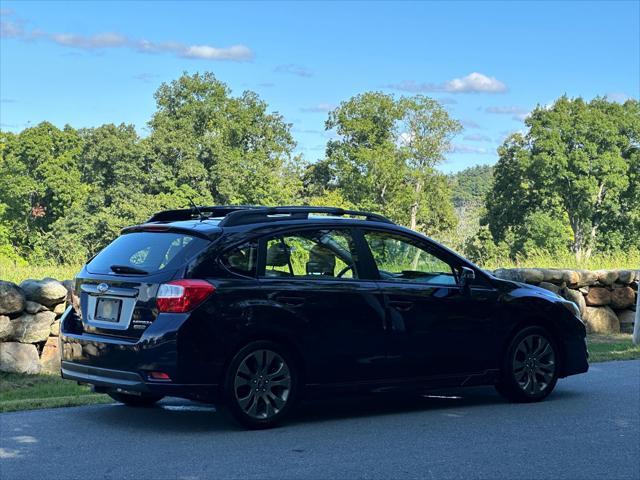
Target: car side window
(401,259)
(242,260)
(311,254)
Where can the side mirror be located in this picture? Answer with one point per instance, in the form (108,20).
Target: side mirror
(467,275)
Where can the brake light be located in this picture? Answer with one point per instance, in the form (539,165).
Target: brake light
(182,296)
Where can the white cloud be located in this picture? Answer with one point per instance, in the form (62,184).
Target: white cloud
(100,40)
(146,77)
(473,83)
(520,116)
(618,97)
(467,123)
(469,149)
(405,138)
(320,108)
(10,30)
(505,110)
(517,113)
(235,52)
(108,40)
(293,69)
(477,137)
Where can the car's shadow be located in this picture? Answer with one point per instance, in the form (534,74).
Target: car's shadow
(393,403)
(177,415)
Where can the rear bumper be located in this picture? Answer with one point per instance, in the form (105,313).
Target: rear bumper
(105,380)
(103,377)
(119,364)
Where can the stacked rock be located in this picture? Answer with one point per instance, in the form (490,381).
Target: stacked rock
(30,325)
(606,298)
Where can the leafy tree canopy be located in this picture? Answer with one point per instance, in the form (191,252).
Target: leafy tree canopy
(578,163)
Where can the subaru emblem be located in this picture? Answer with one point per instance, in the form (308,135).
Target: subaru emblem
(102,287)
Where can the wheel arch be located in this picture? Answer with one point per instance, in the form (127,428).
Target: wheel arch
(538,319)
(281,338)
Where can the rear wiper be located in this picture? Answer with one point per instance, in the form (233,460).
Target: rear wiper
(128,269)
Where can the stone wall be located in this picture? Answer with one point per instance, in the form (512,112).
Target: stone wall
(30,325)
(606,298)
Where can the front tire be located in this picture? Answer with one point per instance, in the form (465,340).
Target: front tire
(261,385)
(530,366)
(144,400)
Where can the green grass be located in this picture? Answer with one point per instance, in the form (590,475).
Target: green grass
(603,348)
(598,261)
(17,273)
(28,392)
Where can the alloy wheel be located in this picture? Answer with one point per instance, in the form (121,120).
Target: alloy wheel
(262,384)
(534,364)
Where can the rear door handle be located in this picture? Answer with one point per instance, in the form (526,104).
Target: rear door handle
(401,305)
(291,300)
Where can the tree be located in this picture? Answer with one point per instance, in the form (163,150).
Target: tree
(225,149)
(427,133)
(471,185)
(39,181)
(576,163)
(385,155)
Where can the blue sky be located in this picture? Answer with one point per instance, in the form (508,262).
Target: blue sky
(89,63)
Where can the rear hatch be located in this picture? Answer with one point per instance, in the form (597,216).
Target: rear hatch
(118,287)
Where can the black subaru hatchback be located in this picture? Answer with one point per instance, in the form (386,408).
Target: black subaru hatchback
(253,308)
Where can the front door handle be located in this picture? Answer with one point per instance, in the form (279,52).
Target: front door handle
(401,305)
(290,300)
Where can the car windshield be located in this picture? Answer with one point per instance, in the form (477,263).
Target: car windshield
(145,252)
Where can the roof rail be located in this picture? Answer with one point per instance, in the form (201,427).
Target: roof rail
(244,216)
(192,213)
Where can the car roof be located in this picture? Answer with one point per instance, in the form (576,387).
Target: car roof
(210,227)
(210,221)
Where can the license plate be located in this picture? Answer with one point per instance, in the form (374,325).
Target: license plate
(108,309)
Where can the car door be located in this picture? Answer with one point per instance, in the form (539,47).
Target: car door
(437,327)
(313,275)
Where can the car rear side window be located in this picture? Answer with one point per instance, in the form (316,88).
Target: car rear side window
(146,252)
(311,254)
(242,260)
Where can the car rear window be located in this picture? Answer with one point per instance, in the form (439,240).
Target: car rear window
(147,252)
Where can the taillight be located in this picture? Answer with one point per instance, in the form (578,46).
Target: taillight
(182,295)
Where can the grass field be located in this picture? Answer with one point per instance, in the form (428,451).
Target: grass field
(27,392)
(18,273)
(612,347)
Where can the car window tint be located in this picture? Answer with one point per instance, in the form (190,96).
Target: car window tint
(311,254)
(401,259)
(242,260)
(147,251)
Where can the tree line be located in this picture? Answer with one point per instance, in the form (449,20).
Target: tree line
(570,182)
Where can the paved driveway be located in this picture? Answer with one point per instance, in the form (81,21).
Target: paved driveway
(589,428)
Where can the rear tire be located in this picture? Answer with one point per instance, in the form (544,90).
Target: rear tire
(261,385)
(144,400)
(530,366)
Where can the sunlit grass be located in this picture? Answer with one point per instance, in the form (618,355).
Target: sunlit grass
(598,261)
(603,348)
(18,273)
(27,392)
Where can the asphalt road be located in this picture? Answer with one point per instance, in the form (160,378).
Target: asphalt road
(589,428)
